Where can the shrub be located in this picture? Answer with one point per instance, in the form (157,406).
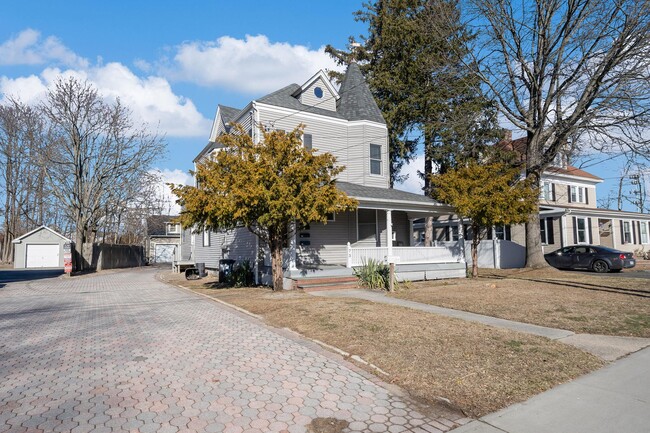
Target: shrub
(242,275)
(373,274)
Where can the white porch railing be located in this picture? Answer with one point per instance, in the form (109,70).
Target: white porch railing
(405,255)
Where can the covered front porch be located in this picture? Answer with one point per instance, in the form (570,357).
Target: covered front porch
(380,229)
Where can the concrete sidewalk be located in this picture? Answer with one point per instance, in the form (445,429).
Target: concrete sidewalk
(613,399)
(606,347)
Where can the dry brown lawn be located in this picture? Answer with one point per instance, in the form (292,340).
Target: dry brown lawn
(580,302)
(478,368)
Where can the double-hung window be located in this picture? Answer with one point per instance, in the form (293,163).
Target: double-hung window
(375,159)
(307,141)
(543,232)
(627,232)
(578,194)
(546,191)
(581,230)
(206,238)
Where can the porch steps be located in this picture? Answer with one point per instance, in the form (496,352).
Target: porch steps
(326,283)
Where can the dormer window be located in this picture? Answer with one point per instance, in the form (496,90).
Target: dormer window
(172,228)
(318,92)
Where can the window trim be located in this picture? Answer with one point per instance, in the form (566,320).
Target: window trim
(627,232)
(546,192)
(543,230)
(309,146)
(578,194)
(371,159)
(585,230)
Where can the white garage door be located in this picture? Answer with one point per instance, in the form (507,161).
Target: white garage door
(42,256)
(164,253)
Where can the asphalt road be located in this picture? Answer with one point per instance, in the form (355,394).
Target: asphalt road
(15,275)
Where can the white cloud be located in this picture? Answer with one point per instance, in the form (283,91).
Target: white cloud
(151,98)
(413,183)
(28,48)
(252,65)
(176,176)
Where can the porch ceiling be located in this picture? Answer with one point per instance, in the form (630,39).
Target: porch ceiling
(370,197)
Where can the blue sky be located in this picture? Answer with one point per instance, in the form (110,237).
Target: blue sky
(174,61)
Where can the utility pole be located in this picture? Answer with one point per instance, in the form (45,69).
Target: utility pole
(639,201)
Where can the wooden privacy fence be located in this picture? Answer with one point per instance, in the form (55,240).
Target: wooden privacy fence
(108,256)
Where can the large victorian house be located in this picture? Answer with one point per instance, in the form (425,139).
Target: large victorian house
(347,123)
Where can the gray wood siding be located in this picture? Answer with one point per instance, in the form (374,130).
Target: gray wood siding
(209,255)
(328,242)
(348,142)
(246,121)
(401,228)
(327,102)
(240,243)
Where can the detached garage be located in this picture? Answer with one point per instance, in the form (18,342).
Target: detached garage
(40,248)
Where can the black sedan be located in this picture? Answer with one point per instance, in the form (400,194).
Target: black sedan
(594,257)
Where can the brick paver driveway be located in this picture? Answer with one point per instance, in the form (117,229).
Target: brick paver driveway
(125,352)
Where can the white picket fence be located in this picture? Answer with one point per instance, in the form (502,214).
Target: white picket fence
(404,255)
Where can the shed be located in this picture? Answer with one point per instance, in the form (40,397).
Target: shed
(40,248)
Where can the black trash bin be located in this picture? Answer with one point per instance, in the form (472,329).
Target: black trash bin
(226,267)
(201,269)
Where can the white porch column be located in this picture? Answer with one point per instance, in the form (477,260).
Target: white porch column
(292,246)
(613,233)
(389,230)
(461,240)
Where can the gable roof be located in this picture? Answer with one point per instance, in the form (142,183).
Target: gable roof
(20,238)
(357,103)
(326,82)
(228,114)
(284,98)
(518,146)
(570,170)
(156,224)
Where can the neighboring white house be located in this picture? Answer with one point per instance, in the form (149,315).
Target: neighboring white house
(40,248)
(347,123)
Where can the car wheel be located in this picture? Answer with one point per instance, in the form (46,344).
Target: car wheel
(600,266)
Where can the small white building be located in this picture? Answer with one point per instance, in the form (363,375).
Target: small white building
(40,248)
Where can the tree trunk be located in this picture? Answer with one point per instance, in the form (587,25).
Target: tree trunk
(276,261)
(78,247)
(475,242)
(428,231)
(534,252)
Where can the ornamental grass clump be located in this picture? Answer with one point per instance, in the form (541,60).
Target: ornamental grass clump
(373,274)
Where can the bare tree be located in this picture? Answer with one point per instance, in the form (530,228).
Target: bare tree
(97,155)
(561,69)
(22,143)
